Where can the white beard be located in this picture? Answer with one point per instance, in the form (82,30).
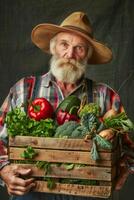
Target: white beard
(67,70)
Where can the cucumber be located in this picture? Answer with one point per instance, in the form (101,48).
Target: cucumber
(68,103)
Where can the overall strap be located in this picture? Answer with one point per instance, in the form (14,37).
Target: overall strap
(30,87)
(28,90)
(36,87)
(89,85)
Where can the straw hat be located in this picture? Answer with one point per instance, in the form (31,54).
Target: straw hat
(77,23)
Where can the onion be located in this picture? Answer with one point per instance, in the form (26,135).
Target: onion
(108,134)
(110,113)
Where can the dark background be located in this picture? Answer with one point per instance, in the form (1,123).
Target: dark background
(113,23)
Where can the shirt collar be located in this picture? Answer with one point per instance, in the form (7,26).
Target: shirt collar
(51,79)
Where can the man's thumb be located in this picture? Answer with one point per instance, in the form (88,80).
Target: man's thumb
(23,171)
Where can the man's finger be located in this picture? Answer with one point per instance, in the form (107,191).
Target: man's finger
(19,190)
(21,182)
(122,178)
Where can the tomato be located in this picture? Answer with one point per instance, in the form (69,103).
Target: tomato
(40,108)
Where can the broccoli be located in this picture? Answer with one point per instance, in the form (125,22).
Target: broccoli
(77,132)
(66,129)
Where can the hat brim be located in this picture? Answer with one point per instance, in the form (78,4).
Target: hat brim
(43,33)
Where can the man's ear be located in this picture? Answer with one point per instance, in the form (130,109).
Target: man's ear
(52,50)
(52,46)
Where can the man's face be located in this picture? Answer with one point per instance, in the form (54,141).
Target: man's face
(69,60)
(71,46)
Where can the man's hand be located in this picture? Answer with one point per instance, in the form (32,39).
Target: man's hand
(11,175)
(124,172)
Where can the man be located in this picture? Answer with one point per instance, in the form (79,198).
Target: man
(72,46)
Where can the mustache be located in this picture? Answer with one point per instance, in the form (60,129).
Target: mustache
(66,61)
(72,63)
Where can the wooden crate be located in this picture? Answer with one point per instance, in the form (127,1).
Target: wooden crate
(55,150)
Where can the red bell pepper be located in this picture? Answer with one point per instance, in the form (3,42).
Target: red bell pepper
(40,108)
(63,116)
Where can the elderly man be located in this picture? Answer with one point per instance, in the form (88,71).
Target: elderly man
(72,46)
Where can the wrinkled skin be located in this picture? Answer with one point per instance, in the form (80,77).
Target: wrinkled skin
(16,185)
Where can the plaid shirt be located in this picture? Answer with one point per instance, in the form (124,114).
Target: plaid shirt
(45,86)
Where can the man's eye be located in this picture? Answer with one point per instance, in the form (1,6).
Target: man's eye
(64,44)
(80,48)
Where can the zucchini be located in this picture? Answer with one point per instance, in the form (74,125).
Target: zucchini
(68,103)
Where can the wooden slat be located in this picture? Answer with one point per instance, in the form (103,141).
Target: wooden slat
(64,156)
(74,189)
(87,172)
(52,143)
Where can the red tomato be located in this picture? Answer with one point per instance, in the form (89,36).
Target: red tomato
(40,108)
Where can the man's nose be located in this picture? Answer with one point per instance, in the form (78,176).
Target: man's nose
(70,53)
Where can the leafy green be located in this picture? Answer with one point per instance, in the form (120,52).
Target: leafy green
(119,122)
(18,123)
(90,121)
(94,152)
(44,165)
(29,153)
(102,142)
(51,183)
(99,141)
(42,128)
